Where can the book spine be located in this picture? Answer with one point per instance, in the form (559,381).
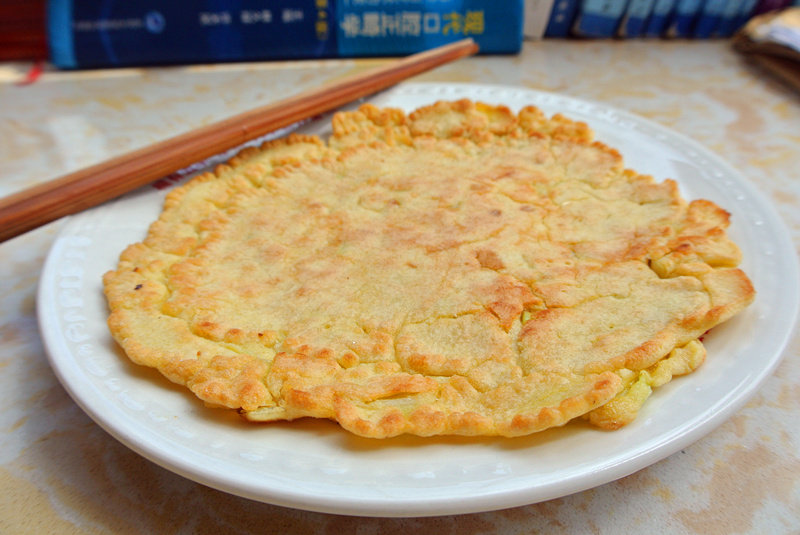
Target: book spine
(599,18)
(727,21)
(635,18)
(108,33)
(59,34)
(684,18)
(659,18)
(709,18)
(561,18)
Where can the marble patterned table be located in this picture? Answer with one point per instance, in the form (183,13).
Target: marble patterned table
(61,473)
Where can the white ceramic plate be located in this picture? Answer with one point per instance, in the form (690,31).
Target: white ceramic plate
(315,465)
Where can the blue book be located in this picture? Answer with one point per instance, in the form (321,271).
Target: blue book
(659,18)
(684,18)
(599,18)
(709,18)
(105,33)
(391,27)
(727,21)
(561,17)
(108,33)
(635,18)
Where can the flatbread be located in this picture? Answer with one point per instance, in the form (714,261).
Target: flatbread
(462,269)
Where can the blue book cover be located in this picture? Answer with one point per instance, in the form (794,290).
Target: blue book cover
(108,33)
(104,33)
(727,21)
(659,18)
(390,27)
(684,18)
(561,17)
(709,18)
(599,18)
(635,18)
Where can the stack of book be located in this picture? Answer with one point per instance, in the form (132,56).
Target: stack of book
(694,19)
(118,33)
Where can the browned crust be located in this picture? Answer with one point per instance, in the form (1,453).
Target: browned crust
(512,274)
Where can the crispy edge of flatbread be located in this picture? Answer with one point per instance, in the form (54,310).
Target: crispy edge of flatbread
(236,381)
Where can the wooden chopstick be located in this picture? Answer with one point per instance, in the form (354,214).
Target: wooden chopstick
(43,203)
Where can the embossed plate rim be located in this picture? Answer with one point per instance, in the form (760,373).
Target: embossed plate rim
(322,468)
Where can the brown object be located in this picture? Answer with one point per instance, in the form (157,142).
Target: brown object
(22,30)
(780,60)
(35,206)
(783,68)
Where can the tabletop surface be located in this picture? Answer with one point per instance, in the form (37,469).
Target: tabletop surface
(61,473)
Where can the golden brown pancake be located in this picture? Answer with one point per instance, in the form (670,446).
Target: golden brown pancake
(458,270)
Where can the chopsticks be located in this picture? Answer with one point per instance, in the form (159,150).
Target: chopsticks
(91,186)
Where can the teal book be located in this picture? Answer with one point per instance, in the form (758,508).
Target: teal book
(108,33)
(562,16)
(709,18)
(635,18)
(599,18)
(684,18)
(392,27)
(659,18)
(728,18)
